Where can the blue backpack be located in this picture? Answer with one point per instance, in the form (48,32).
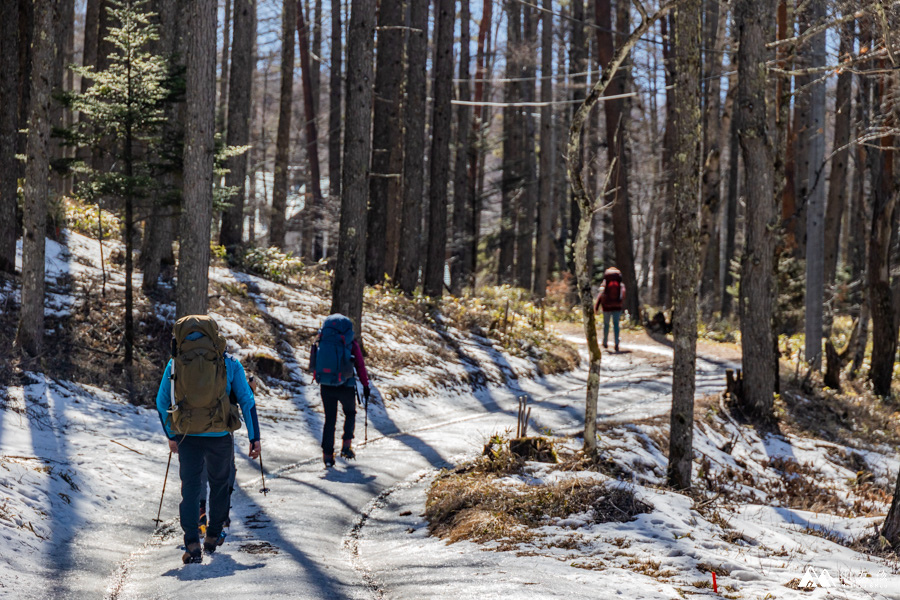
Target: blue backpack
(330,358)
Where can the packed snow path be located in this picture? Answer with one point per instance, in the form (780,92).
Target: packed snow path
(300,540)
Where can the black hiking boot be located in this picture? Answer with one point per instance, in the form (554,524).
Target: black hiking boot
(328,459)
(211,543)
(348,453)
(193,554)
(617,347)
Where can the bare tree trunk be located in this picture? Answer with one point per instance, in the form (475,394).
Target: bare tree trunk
(349,270)
(221,114)
(546,205)
(336,81)
(462,202)
(730,217)
(240,84)
(686,237)
(408,261)
(196,219)
(283,137)
(9,77)
(315,71)
(859,220)
(815,206)
(311,224)
(30,334)
(662,277)
(755,25)
(837,182)
(387,148)
(511,177)
(525,212)
(884,203)
(439,162)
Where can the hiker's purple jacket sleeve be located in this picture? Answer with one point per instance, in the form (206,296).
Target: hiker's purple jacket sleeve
(360,363)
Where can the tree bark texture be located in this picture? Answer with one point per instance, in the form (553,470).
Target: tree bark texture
(815,205)
(196,218)
(313,203)
(283,136)
(349,271)
(387,147)
(546,198)
(439,162)
(686,237)
(525,212)
(837,181)
(335,95)
(9,76)
(408,261)
(460,266)
(239,86)
(511,178)
(30,334)
(755,23)
(730,217)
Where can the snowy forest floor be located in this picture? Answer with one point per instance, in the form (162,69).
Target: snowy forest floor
(81,470)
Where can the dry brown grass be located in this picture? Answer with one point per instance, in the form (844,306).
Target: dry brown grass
(469,503)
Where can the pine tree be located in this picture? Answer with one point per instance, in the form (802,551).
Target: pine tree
(125,106)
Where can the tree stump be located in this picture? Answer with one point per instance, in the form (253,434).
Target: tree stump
(734,384)
(833,364)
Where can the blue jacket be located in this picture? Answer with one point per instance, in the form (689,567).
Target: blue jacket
(236,379)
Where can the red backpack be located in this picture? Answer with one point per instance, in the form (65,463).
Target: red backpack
(613,293)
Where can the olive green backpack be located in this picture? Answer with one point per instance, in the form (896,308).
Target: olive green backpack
(199,403)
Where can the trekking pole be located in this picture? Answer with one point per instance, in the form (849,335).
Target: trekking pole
(161,496)
(366,409)
(264,489)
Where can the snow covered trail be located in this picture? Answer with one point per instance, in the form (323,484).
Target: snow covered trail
(298,542)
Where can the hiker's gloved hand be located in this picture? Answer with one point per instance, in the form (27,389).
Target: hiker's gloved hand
(366,393)
(173,446)
(255,449)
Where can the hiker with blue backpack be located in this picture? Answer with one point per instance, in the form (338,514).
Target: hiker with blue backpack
(336,360)
(199,419)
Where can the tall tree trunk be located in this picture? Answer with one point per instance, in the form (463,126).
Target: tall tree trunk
(616,149)
(64,24)
(686,237)
(802,133)
(283,137)
(837,181)
(408,261)
(525,227)
(222,107)
(730,216)
(577,84)
(884,204)
(543,249)
(462,202)
(815,206)
(89,40)
(662,277)
(311,226)
(350,268)
(192,294)
(439,162)
(315,71)
(387,150)
(26,36)
(240,84)
(468,257)
(9,77)
(755,24)
(336,81)
(859,218)
(30,334)
(511,177)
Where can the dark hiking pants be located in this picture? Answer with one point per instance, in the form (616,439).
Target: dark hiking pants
(216,454)
(331,395)
(204,489)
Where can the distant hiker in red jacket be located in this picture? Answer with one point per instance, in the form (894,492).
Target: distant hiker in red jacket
(334,359)
(611,299)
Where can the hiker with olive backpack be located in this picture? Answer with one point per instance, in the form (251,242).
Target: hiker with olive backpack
(199,419)
(333,359)
(612,300)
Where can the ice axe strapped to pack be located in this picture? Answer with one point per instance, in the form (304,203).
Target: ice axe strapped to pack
(198,381)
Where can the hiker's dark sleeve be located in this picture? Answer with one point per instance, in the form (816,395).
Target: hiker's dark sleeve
(245,398)
(163,400)
(360,364)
